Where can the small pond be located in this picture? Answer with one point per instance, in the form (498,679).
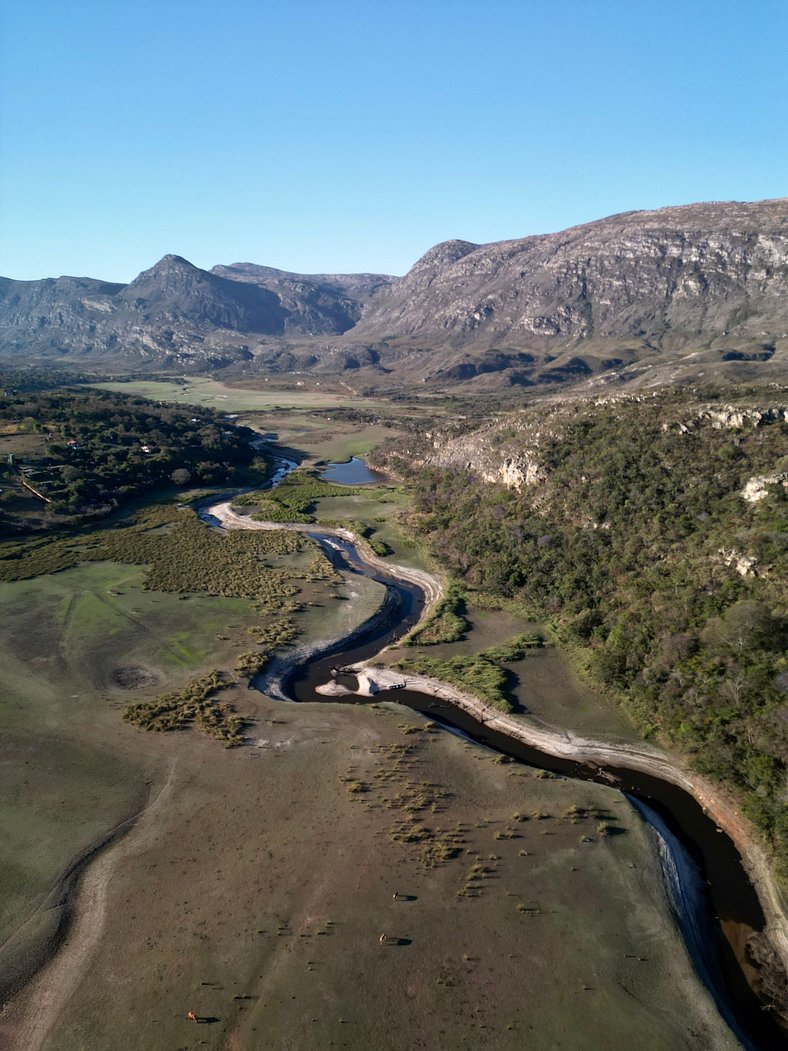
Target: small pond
(354,472)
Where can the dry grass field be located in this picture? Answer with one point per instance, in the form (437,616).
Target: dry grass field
(256,891)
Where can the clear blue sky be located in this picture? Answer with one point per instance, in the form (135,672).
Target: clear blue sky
(344,135)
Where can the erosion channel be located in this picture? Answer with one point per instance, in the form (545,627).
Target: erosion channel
(715,903)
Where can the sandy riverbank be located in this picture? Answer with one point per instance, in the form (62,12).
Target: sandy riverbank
(431,585)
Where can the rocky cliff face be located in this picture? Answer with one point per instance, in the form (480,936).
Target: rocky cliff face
(639,287)
(674,277)
(175,313)
(642,298)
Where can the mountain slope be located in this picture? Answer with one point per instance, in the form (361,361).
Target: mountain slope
(175,313)
(316,304)
(696,292)
(700,276)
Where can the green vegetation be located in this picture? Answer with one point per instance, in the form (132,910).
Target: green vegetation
(296,497)
(516,648)
(85,452)
(181,553)
(367,532)
(481,673)
(184,557)
(195,704)
(16,378)
(446,623)
(626,546)
(207,392)
(477,675)
(280,632)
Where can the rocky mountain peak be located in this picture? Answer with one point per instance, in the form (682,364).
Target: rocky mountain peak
(443,254)
(670,295)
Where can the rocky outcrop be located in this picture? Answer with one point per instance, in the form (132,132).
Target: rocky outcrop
(639,299)
(758,488)
(697,275)
(745,565)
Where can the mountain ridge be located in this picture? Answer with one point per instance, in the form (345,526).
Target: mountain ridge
(645,290)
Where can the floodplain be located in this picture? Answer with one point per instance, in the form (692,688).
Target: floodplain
(350,875)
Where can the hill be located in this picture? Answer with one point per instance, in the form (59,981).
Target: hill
(175,314)
(677,294)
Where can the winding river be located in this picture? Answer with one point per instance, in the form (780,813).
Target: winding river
(711,892)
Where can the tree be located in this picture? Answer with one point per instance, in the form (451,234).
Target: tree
(181,476)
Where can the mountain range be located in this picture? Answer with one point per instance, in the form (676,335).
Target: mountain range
(638,298)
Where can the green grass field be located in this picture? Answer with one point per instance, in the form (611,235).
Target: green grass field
(202,391)
(542,684)
(317,438)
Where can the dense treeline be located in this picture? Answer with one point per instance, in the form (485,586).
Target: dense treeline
(96,449)
(33,378)
(638,548)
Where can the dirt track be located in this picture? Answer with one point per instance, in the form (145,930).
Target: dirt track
(52,988)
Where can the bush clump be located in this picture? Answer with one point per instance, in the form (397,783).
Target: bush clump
(196,704)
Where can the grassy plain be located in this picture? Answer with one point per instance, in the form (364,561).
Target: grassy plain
(257,896)
(385,519)
(77,647)
(542,686)
(202,391)
(319,438)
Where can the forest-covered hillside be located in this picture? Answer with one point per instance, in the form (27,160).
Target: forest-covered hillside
(652,534)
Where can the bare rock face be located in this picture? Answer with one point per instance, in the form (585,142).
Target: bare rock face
(759,487)
(678,295)
(176,313)
(698,275)
(314,304)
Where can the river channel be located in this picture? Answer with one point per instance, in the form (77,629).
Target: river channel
(706,881)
